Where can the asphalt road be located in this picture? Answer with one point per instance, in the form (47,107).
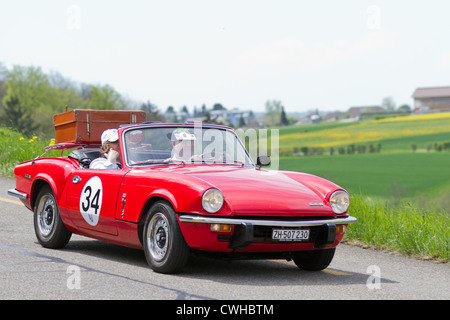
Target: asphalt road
(89,269)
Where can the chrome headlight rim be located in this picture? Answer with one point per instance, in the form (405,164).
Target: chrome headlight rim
(340,201)
(212,200)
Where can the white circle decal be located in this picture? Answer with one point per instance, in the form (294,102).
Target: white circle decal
(91,200)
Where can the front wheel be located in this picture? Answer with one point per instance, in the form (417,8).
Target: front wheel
(48,226)
(165,249)
(314,260)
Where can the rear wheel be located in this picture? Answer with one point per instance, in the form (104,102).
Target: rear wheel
(165,249)
(48,226)
(314,260)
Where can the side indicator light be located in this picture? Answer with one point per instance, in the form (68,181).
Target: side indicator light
(217,227)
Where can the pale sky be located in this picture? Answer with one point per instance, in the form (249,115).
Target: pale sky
(323,54)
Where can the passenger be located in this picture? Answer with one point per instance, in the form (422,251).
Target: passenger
(183,145)
(110,151)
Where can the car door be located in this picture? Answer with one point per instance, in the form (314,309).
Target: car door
(92,198)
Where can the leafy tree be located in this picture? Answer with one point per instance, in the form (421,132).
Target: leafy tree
(241,122)
(209,119)
(105,98)
(27,99)
(304,150)
(388,103)
(272,116)
(203,112)
(405,108)
(18,117)
(184,109)
(218,107)
(29,85)
(3,72)
(36,97)
(284,119)
(151,112)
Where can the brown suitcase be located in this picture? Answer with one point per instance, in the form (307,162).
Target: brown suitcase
(87,126)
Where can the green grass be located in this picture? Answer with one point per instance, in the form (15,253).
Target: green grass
(16,148)
(406,229)
(400,175)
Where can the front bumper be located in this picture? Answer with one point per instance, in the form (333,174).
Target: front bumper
(272,223)
(17,194)
(248,231)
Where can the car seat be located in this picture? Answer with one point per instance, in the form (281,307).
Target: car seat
(85,156)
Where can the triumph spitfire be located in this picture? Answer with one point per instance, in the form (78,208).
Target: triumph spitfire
(181,189)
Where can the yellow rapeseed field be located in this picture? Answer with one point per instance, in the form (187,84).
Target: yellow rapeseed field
(369,131)
(430,116)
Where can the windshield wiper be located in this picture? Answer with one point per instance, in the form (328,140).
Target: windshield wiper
(158,161)
(182,162)
(150,161)
(235,162)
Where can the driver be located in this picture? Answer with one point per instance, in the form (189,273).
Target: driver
(110,151)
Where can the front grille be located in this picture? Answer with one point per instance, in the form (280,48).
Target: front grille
(285,218)
(246,234)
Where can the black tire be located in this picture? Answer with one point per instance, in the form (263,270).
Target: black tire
(314,260)
(48,226)
(165,249)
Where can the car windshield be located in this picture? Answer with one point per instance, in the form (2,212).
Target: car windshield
(183,145)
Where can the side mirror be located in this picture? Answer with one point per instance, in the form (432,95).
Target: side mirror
(263,161)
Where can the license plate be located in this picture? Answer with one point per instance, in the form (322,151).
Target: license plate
(290,235)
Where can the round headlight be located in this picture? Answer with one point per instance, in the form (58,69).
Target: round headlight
(212,200)
(340,201)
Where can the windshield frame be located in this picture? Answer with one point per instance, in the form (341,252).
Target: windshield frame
(196,126)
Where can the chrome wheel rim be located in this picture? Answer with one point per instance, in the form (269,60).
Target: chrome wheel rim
(158,237)
(46,215)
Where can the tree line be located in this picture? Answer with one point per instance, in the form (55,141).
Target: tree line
(29,98)
(319,151)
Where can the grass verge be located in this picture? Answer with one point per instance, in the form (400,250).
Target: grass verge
(406,229)
(16,148)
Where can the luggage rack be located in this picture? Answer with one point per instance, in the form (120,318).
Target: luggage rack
(67,146)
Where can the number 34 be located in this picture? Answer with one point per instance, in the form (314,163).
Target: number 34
(90,203)
(91,200)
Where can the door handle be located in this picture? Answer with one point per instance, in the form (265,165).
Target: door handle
(124,199)
(76,179)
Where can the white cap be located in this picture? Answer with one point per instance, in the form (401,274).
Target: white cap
(110,135)
(182,134)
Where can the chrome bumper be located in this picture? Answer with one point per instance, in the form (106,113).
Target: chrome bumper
(272,223)
(17,194)
(243,234)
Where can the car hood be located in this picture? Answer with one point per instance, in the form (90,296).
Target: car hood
(251,191)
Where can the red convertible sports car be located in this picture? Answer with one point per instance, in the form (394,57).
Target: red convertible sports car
(181,189)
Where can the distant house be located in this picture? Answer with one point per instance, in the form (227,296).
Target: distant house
(234,117)
(173,116)
(432,100)
(355,112)
(333,116)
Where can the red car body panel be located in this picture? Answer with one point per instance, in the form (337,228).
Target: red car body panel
(249,192)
